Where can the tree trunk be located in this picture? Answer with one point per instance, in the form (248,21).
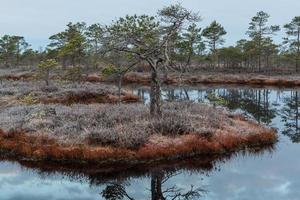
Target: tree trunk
(47,78)
(298,51)
(18,54)
(214,55)
(259,62)
(156,186)
(155,93)
(120,76)
(191,52)
(297,114)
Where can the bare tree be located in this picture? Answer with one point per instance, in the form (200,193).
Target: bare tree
(117,191)
(119,65)
(144,39)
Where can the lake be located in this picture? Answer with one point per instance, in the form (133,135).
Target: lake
(269,174)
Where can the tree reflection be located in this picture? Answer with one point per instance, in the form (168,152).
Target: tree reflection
(255,102)
(161,176)
(290,117)
(117,191)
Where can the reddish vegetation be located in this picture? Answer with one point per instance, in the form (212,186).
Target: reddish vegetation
(157,148)
(89,98)
(187,78)
(217,78)
(21,76)
(93,78)
(140,78)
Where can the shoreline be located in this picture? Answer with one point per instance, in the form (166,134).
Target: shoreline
(218,78)
(71,126)
(39,148)
(188,78)
(104,172)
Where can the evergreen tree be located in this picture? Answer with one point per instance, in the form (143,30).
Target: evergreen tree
(214,36)
(70,44)
(259,31)
(11,48)
(293,38)
(95,34)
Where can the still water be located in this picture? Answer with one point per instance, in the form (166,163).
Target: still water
(265,175)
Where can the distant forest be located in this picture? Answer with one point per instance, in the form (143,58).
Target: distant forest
(173,39)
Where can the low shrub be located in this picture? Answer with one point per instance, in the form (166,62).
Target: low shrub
(173,123)
(127,125)
(63,93)
(122,136)
(28,98)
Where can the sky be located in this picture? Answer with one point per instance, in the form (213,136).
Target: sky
(36,20)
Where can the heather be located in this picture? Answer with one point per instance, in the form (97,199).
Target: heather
(33,92)
(126,126)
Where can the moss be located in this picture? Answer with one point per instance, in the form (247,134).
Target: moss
(28,99)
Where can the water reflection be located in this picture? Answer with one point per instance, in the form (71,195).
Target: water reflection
(254,102)
(178,180)
(260,174)
(263,104)
(118,190)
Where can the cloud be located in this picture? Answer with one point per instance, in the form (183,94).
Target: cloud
(37,20)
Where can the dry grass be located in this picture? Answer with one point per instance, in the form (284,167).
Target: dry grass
(218,78)
(88,98)
(190,145)
(127,125)
(16,74)
(28,92)
(193,77)
(126,133)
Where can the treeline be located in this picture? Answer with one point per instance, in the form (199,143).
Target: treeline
(171,39)
(15,51)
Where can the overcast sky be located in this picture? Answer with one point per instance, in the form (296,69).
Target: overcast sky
(38,19)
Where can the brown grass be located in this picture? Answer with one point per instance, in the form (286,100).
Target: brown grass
(20,76)
(93,78)
(140,78)
(89,98)
(217,78)
(126,134)
(157,148)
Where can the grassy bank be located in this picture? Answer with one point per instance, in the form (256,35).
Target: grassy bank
(66,93)
(173,78)
(125,134)
(217,78)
